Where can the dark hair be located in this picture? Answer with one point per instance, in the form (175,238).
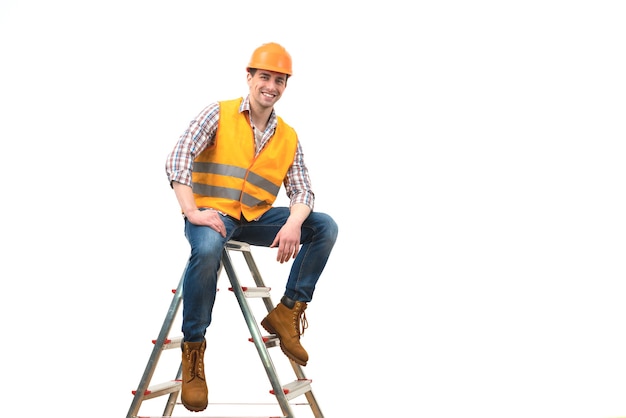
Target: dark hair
(252,71)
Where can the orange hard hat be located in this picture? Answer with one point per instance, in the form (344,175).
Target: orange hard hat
(272,57)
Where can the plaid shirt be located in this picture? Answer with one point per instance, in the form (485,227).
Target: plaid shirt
(201,134)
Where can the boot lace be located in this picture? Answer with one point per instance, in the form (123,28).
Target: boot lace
(196,367)
(299,319)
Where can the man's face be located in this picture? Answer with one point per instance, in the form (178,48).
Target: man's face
(266,87)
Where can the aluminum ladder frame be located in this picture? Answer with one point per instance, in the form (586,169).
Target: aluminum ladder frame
(283,394)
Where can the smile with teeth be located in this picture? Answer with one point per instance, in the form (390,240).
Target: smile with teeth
(268,94)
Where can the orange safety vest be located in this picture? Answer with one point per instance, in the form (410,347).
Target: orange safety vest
(228,177)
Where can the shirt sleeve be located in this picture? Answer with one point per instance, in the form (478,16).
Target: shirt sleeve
(297,182)
(197,137)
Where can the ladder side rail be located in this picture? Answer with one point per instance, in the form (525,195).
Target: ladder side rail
(256,335)
(157,350)
(317,412)
(256,275)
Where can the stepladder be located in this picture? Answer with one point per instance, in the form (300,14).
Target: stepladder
(288,395)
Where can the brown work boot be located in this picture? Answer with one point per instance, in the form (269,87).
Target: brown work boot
(195,394)
(288,322)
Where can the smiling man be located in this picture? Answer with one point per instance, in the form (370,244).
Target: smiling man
(226,171)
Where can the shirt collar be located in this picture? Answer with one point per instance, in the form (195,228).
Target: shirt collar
(245,105)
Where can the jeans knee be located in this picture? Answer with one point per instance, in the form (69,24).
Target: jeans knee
(206,254)
(329,227)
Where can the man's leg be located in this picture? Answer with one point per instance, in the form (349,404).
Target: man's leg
(199,289)
(287,320)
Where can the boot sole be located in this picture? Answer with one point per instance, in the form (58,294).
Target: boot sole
(265,324)
(194,408)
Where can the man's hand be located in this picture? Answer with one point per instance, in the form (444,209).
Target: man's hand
(288,238)
(209,217)
(288,242)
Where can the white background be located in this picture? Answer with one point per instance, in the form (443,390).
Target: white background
(471,152)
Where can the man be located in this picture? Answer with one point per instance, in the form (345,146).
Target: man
(226,171)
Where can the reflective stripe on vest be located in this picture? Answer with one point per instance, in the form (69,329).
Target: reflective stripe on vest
(228,193)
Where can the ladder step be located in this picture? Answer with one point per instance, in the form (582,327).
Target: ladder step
(171,342)
(217,416)
(296,388)
(161,389)
(269,340)
(238,246)
(255,292)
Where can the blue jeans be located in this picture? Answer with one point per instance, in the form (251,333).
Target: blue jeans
(319,233)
